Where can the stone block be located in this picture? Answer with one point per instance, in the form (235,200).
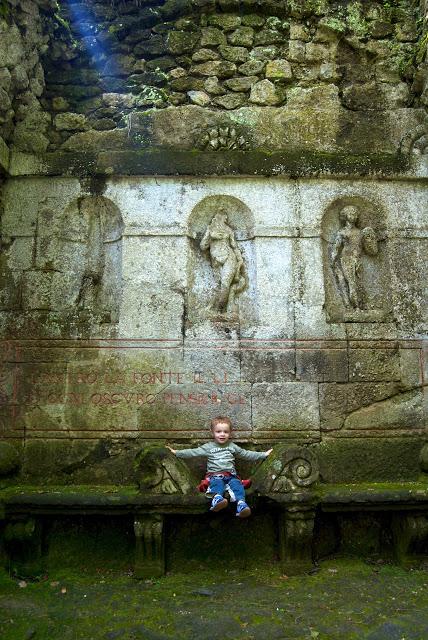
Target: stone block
(274,264)
(212,37)
(261,364)
(296,51)
(241,37)
(49,290)
(179,42)
(150,312)
(322,365)
(203,55)
(308,270)
(265,93)
(10,287)
(269,36)
(241,84)
(230,100)
(369,459)
(279,409)
(225,21)
(264,53)
(375,365)
(338,401)
(252,67)
(233,54)
(411,367)
(199,97)
(20,253)
(310,323)
(22,200)
(400,412)
(219,68)
(278,70)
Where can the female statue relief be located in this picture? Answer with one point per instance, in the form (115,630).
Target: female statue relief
(349,245)
(226,261)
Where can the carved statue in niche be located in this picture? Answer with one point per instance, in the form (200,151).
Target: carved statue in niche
(226,261)
(349,245)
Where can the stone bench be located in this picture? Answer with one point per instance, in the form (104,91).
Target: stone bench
(287,483)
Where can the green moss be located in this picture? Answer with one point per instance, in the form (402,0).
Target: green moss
(356,22)
(4,9)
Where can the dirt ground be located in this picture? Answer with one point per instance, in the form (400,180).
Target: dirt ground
(342,599)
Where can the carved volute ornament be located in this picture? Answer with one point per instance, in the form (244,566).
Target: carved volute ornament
(227,263)
(349,245)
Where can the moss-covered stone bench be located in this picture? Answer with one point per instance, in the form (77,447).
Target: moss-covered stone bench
(286,484)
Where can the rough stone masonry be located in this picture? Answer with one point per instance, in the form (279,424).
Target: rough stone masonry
(212,208)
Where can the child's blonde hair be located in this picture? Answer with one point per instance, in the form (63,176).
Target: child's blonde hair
(215,421)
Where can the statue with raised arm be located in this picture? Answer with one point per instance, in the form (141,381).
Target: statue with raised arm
(226,261)
(349,245)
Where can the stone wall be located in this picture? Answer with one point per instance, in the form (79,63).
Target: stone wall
(105,61)
(213,207)
(115,333)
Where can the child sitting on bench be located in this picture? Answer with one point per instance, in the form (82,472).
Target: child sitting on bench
(221,472)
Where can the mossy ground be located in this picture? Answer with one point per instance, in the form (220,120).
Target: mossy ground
(341,599)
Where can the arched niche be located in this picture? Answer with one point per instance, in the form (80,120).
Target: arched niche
(355,261)
(206,277)
(82,247)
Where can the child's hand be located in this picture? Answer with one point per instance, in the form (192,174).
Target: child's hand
(172,450)
(268,452)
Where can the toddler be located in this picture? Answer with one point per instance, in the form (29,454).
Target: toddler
(221,472)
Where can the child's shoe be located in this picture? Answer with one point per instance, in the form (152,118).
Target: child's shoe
(218,503)
(243,510)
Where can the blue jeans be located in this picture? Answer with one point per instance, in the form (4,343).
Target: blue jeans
(219,482)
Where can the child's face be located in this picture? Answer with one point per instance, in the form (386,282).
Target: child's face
(221,432)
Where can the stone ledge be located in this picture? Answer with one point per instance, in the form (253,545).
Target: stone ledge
(128,499)
(169,161)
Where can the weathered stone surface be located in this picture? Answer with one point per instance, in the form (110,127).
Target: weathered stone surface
(226,21)
(241,84)
(199,97)
(278,70)
(369,460)
(212,85)
(71,122)
(337,401)
(262,365)
(230,100)
(252,67)
(212,37)
(323,365)
(234,54)
(264,53)
(402,411)
(374,364)
(241,37)
(9,459)
(203,55)
(265,93)
(179,42)
(287,407)
(219,68)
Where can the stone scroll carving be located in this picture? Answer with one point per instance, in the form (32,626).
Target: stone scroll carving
(227,263)
(287,470)
(355,261)
(159,472)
